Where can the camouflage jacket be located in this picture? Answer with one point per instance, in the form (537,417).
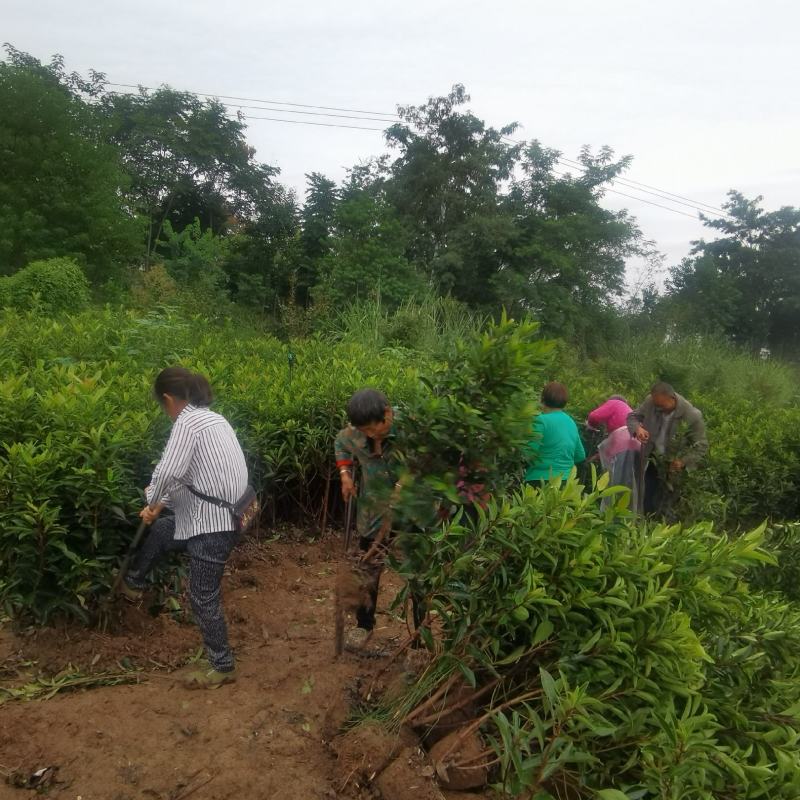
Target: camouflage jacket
(377,474)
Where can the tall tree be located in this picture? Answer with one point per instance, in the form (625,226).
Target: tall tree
(444,186)
(318,218)
(187,158)
(565,260)
(60,182)
(492,222)
(368,254)
(745,283)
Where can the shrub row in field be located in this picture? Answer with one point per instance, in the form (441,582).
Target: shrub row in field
(607,657)
(80,432)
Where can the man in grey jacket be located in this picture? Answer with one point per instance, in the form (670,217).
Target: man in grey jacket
(673,437)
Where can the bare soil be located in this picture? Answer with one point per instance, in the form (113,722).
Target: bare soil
(272,734)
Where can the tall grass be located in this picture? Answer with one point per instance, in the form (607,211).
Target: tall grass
(695,366)
(424,324)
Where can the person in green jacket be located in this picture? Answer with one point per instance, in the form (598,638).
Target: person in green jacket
(556,446)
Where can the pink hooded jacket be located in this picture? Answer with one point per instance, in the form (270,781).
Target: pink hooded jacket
(613,414)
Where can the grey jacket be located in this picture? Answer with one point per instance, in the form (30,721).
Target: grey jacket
(685,436)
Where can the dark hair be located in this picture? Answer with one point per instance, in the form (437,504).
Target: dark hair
(555,395)
(663,389)
(366,406)
(185,385)
(618,397)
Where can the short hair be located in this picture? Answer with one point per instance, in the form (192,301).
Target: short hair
(183,384)
(366,406)
(555,395)
(618,397)
(663,389)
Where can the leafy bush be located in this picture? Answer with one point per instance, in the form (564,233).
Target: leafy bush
(154,287)
(608,655)
(80,432)
(56,284)
(473,422)
(783,542)
(598,656)
(430,324)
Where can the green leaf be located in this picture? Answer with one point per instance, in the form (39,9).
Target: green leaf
(543,631)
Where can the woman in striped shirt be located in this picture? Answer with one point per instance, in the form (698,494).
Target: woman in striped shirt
(202,453)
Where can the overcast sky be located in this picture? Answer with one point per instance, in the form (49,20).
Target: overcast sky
(703,93)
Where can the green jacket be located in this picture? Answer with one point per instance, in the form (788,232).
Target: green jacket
(556,447)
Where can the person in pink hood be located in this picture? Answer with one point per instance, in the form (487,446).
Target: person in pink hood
(612,415)
(618,450)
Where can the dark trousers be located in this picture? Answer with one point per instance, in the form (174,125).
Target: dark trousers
(661,497)
(208,553)
(365,615)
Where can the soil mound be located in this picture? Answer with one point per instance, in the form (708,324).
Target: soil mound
(460,762)
(409,777)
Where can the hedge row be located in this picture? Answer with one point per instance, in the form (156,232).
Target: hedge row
(80,432)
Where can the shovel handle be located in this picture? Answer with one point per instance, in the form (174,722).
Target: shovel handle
(348,525)
(123,570)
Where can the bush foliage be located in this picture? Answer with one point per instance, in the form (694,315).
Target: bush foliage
(605,656)
(52,285)
(620,656)
(80,432)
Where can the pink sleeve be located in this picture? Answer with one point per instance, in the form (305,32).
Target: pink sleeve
(601,414)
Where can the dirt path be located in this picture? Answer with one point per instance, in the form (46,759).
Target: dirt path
(263,737)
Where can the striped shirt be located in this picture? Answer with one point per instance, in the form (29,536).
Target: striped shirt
(202,452)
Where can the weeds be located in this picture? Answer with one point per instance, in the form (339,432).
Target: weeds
(69,679)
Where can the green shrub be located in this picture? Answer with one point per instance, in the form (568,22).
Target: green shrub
(429,324)
(53,285)
(79,432)
(783,542)
(616,656)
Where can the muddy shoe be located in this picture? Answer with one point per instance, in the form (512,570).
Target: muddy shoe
(357,639)
(208,678)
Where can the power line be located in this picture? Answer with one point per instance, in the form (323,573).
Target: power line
(309,122)
(309,113)
(663,192)
(698,206)
(651,203)
(669,197)
(271,102)
(280,110)
(633,197)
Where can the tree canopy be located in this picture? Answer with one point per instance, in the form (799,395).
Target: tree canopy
(745,283)
(61,181)
(454,207)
